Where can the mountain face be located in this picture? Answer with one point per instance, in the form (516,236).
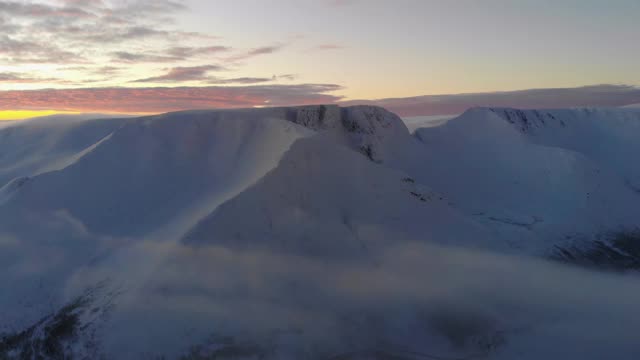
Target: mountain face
(507,166)
(320,232)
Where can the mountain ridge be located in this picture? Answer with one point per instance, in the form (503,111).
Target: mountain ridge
(307,220)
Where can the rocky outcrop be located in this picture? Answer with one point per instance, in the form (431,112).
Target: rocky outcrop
(367,129)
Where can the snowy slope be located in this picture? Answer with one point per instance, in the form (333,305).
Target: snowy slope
(150,178)
(326,201)
(508,166)
(614,131)
(314,232)
(49,143)
(151,169)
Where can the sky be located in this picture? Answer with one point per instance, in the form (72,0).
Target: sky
(146,56)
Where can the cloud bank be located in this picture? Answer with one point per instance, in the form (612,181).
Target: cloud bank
(164,99)
(414,297)
(587,96)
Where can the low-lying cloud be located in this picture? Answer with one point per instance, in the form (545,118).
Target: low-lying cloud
(411,297)
(406,297)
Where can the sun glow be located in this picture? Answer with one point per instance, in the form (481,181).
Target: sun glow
(26,114)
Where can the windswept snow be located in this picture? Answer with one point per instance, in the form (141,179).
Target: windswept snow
(40,145)
(316,232)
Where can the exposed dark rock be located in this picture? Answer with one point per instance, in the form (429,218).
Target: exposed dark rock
(615,251)
(53,336)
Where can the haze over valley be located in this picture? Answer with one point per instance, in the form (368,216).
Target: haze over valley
(304,180)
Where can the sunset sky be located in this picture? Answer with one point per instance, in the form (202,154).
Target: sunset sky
(145,56)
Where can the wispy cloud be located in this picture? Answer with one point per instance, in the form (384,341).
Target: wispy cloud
(327,46)
(57,34)
(263,50)
(142,57)
(119,35)
(252,80)
(186,52)
(242,80)
(202,73)
(97,33)
(10,77)
(25,51)
(26,9)
(169,55)
(190,73)
(289,77)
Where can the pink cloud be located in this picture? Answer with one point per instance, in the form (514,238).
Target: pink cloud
(163,99)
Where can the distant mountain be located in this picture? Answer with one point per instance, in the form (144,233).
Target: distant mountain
(320,232)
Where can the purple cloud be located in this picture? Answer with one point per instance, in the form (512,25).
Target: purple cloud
(163,99)
(186,52)
(24,51)
(19,78)
(263,50)
(184,73)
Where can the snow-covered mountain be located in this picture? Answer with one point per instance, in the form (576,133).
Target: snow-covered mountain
(318,232)
(553,173)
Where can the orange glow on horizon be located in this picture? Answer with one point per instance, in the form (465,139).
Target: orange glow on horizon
(13,115)
(26,114)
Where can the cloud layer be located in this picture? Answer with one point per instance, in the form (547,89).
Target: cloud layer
(163,99)
(134,37)
(588,96)
(443,302)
